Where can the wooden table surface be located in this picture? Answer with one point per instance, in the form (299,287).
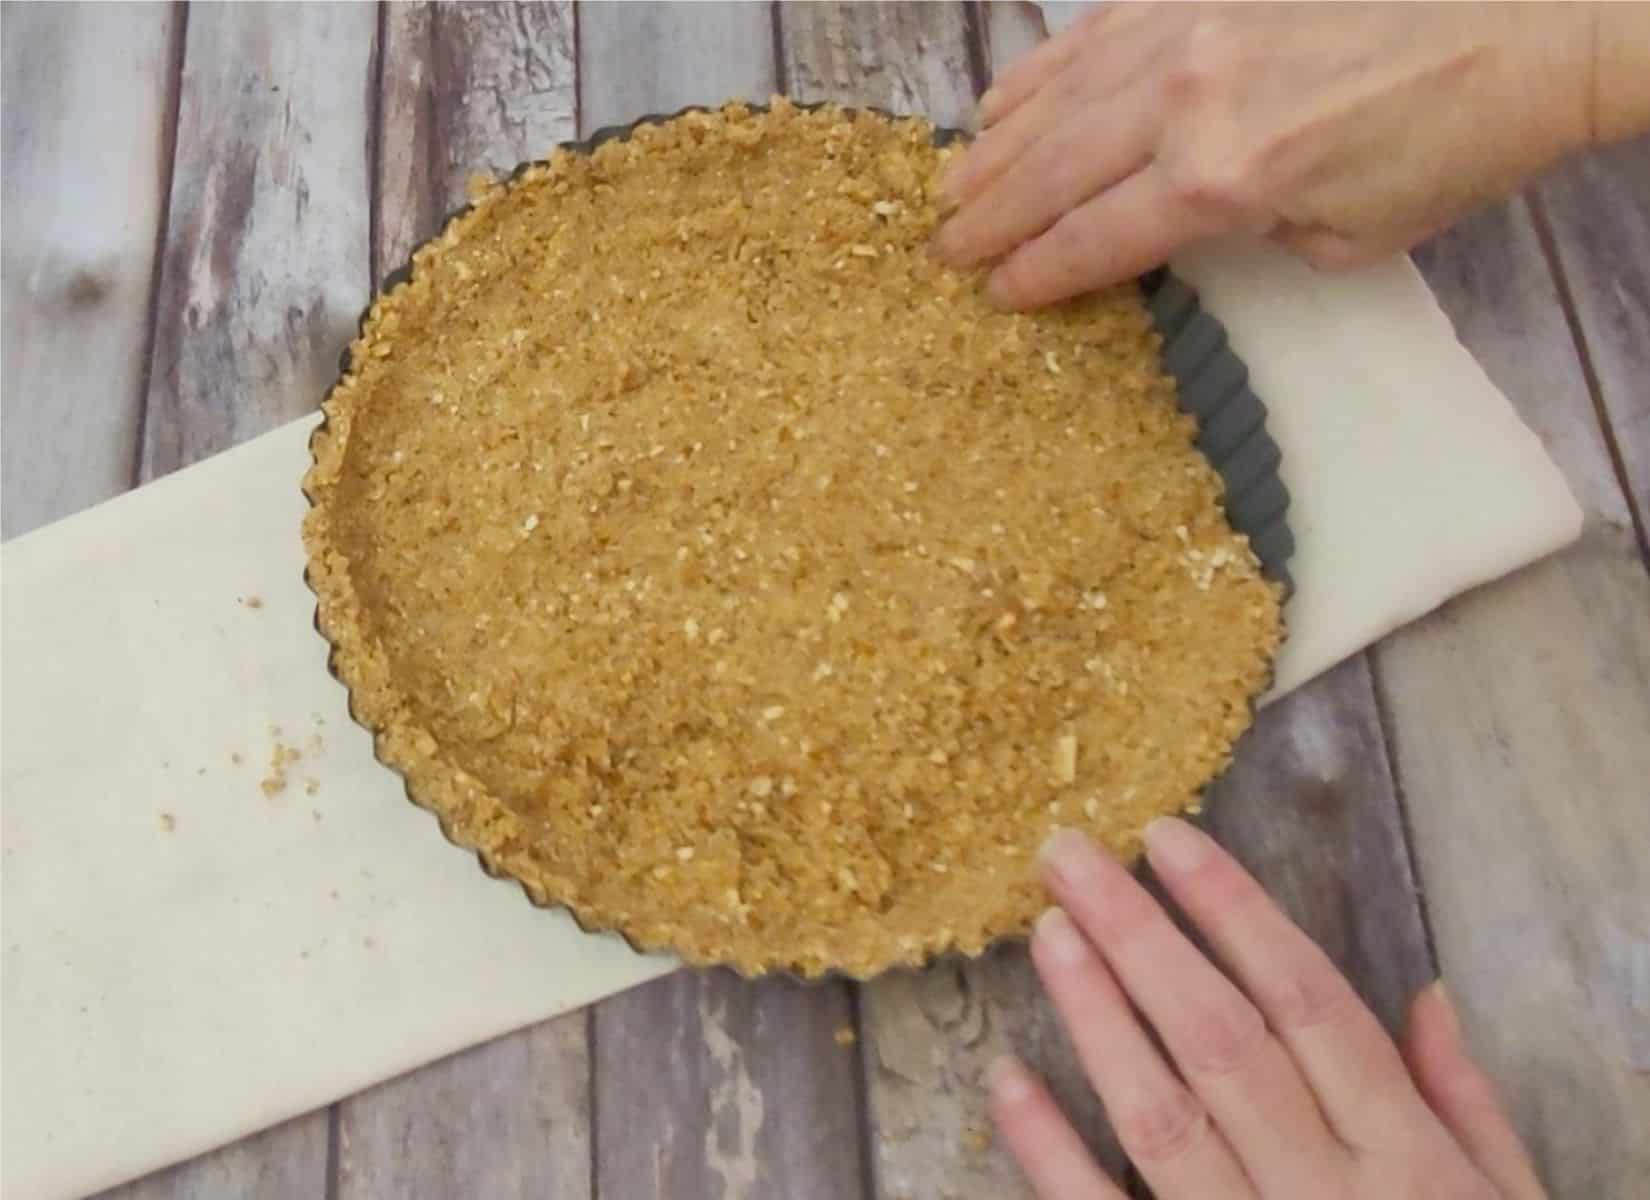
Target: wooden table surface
(197,202)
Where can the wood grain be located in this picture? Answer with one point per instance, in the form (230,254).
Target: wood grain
(467,90)
(706,1085)
(908,58)
(1519,713)
(1310,808)
(470,89)
(288,1160)
(648,57)
(263,273)
(1599,212)
(265,267)
(507,1119)
(85,108)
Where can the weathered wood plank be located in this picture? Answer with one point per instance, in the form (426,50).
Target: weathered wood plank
(266,262)
(650,57)
(1519,713)
(707,1085)
(509,1118)
(86,112)
(1310,808)
(288,1160)
(1599,210)
(908,58)
(262,275)
(470,89)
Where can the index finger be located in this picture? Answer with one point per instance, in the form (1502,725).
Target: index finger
(1124,231)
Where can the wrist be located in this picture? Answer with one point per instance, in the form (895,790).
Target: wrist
(1619,101)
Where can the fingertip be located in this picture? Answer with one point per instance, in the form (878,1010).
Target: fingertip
(1176,847)
(989,107)
(1009,1082)
(1434,1025)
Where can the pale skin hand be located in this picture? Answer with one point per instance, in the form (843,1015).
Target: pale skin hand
(1345,132)
(1272,1084)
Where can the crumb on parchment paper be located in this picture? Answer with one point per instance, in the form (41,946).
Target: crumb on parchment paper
(280,758)
(168,822)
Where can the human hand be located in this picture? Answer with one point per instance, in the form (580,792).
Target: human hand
(1344,132)
(1293,1090)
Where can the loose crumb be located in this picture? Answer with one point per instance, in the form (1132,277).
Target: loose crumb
(168,822)
(236,758)
(631,674)
(976,1139)
(253,602)
(280,758)
(311,787)
(845,1035)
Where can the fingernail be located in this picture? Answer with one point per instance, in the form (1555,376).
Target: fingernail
(1174,847)
(1446,1004)
(988,104)
(1068,856)
(1008,1080)
(1065,944)
(999,294)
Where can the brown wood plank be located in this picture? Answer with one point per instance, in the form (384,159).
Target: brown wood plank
(85,105)
(265,268)
(1519,714)
(467,90)
(1598,208)
(708,1085)
(471,90)
(262,276)
(908,58)
(288,1160)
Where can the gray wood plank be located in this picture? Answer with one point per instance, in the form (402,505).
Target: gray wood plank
(263,273)
(908,58)
(1519,713)
(85,108)
(1599,211)
(1309,806)
(708,1085)
(470,90)
(265,267)
(650,57)
(288,1160)
(507,1119)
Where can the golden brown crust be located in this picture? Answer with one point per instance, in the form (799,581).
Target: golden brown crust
(719,565)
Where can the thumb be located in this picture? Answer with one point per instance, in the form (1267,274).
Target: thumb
(1463,1097)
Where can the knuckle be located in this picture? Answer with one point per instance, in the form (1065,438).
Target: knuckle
(1223,1041)
(1162,1129)
(1209,61)
(1306,999)
(1217,184)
